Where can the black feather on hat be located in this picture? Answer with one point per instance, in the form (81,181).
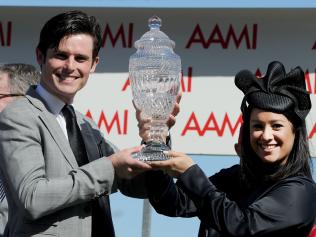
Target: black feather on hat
(276,91)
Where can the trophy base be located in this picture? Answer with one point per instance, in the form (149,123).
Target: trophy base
(153,151)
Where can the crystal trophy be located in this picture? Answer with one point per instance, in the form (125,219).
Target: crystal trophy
(154,73)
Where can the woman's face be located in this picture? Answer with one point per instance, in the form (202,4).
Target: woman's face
(271,136)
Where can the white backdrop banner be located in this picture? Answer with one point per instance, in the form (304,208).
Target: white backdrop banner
(213,45)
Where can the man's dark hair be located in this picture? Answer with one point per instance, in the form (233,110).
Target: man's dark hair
(66,24)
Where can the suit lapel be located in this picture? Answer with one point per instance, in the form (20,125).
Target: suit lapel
(52,126)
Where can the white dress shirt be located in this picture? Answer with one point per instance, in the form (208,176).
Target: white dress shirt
(55,106)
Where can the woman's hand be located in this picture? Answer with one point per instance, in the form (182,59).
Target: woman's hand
(175,166)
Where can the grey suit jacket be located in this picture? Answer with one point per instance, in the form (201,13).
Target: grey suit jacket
(3,211)
(48,194)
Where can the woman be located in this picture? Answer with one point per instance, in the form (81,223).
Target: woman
(271,192)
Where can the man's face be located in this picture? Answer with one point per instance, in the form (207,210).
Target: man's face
(65,70)
(4,90)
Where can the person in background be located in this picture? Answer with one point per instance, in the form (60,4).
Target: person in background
(271,192)
(15,79)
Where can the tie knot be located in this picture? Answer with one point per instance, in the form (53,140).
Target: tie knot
(68,111)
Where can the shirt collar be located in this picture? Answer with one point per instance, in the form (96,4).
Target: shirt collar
(54,104)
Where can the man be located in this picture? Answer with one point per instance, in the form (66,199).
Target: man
(15,79)
(58,179)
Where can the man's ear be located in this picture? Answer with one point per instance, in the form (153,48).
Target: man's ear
(40,57)
(94,64)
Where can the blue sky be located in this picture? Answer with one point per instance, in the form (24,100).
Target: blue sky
(127,212)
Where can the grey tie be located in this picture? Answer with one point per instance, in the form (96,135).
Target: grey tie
(2,193)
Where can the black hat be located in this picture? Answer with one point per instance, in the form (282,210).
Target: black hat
(276,91)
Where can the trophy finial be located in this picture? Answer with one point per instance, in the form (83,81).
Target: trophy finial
(154,22)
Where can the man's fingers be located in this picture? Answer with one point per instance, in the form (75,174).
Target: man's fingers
(135,105)
(171,121)
(176,109)
(134,149)
(144,123)
(173,154)
(179,96)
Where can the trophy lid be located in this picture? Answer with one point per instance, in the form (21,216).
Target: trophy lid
(154,38)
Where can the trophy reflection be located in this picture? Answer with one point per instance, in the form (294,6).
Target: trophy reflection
(154,73)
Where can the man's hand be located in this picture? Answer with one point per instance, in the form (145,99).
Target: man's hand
(176,109)
(125,165)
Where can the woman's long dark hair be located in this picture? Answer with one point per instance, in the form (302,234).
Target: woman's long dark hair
(254,171)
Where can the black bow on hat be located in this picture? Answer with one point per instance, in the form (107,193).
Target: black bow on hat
(276,91)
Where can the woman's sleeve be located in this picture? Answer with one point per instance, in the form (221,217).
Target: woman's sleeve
(290,203)
(166,197)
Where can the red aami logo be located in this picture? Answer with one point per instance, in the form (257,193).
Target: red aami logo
(125,36)
(220,126)
(248,35)
(211,125)
(313,132)
(185,82)
(118,121)
(258,73)
(310,86)
(5,33)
